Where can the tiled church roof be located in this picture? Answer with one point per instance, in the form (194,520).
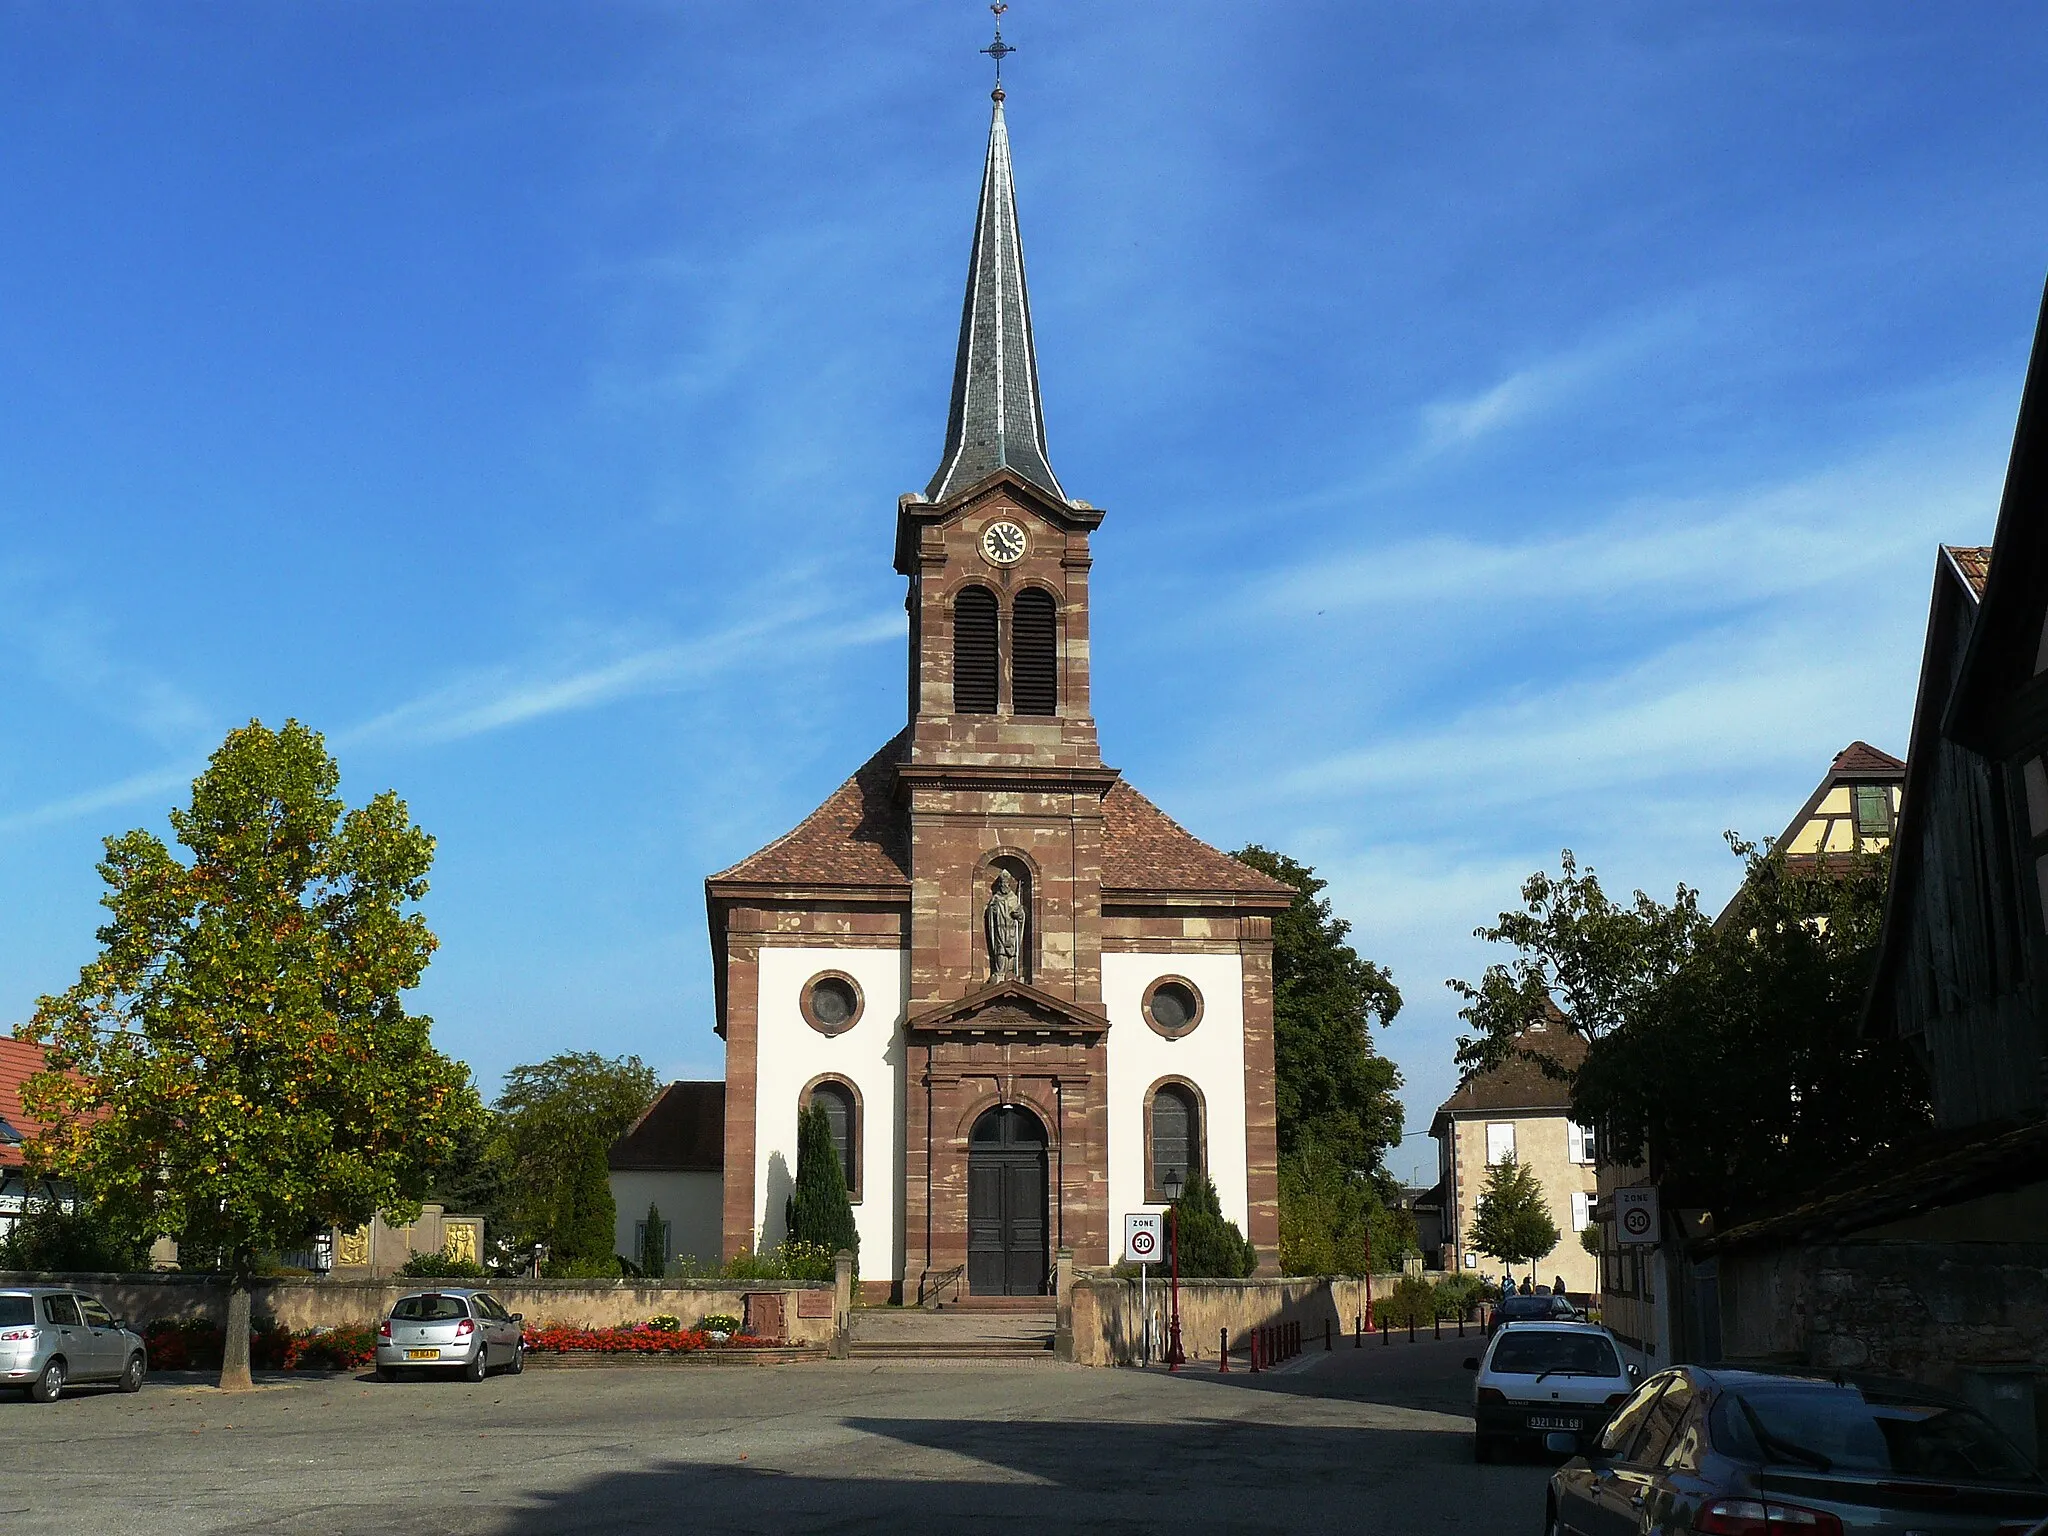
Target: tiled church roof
(861,836)
(1144,849)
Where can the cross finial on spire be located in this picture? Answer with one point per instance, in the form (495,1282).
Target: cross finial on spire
(999,50)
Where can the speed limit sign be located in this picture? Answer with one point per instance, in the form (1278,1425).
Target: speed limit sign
(1635,1214)
(1141,1237)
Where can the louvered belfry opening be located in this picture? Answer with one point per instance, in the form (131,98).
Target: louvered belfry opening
(975,655)
(1035,654)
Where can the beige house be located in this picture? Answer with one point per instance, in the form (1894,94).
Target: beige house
(1518,1110)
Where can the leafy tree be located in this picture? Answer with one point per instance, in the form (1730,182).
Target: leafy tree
(1331,1086)
(1513,1221)
(654,1244)
(47,1237)
(236,1067)
(586,1223)
(819,1213)
(1211,1246)
(1335,1220)
(557,1120)
(473,1181)
(1726,1056)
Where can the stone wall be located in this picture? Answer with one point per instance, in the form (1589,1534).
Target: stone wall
(1969,1318)
(1108,1325)
(309,1303)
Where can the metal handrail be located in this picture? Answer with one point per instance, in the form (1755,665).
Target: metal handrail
(928,1289)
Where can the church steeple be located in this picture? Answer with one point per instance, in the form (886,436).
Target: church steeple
(996,420)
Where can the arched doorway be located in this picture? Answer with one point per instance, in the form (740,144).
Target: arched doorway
(1006,1253)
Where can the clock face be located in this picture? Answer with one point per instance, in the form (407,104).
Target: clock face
(1003,543)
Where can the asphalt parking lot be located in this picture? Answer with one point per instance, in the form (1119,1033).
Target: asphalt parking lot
(1359,1440)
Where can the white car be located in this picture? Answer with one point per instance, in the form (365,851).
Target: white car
(1543,1379)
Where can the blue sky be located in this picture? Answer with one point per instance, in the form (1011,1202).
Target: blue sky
(1521,427)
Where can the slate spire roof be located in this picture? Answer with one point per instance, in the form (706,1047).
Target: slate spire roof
(996,420)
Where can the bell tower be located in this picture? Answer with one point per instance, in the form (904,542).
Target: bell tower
(1002,779)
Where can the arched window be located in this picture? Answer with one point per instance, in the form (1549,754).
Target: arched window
(974,652)
(1035,654)
(1173,1140)
(836,1099)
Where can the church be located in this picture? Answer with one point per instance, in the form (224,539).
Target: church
(1028,1000)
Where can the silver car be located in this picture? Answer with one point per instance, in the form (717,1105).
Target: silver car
(51,1336)
(453,1330)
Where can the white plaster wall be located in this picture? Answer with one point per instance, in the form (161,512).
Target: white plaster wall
(870,1056)
(1211,1056)
(693,1205)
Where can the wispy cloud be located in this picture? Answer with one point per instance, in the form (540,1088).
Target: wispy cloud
(128,791)
(1756,544)
(1535,389)
(502,698)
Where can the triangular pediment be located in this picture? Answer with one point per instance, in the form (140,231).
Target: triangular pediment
(1008,1008)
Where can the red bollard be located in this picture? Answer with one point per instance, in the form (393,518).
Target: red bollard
(1253,1341)
(1437,1322)
(1358,1333)
(1461,1325)
(1223,1354)
(1386,1338)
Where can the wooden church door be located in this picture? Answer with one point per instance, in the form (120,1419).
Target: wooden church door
(1006,1188)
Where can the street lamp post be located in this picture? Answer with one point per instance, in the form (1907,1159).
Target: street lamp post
(1172,1184)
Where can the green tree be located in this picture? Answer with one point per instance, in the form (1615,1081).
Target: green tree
(819,1211)
(654,1244)
(235,1067)
(1330,1086)
(1211,1245)
(586,1223)
(1727,1056)
(557,1120)
(1513,1221)
(1335,1220)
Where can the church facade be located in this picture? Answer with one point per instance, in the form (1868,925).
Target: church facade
(1027,999)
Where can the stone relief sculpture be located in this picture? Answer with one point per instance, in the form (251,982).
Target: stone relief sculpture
(461,1243)
(353,1251)
(1005,920)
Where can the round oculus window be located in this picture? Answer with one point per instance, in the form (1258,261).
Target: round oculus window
(832,1002)
(1173,1006)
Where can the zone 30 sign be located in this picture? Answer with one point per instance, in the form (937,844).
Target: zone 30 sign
(1142,1243)
(1635,1215)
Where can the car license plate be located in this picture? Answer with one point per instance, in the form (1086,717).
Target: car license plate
(423,1354)
(1538,1423)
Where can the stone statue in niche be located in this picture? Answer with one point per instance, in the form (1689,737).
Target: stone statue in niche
(1005,920)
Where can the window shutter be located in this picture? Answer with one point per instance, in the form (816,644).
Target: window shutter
(974,652)
(1034,656)
(1575,1138)
(1500,1143)
(1582,1210)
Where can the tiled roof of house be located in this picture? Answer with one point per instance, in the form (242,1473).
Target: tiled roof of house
(861,836)
(19,1061)
(682,1131)
(1519,1082)
(1144,849)
(1860,757)
(1974,561)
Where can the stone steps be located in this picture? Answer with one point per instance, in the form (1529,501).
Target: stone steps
(972,1334)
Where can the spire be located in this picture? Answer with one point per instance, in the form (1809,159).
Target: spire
(996,420)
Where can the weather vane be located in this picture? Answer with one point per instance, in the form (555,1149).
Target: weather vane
(999,50)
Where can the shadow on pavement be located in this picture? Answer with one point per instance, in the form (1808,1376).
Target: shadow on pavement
(1034,1475)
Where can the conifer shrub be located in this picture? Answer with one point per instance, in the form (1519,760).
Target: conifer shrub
(1211,1246)
(820,1213)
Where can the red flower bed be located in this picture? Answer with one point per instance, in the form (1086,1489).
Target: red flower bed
(636,1339)
(195,1344)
